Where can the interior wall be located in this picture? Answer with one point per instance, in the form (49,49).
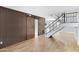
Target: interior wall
(78,29)
(41,26)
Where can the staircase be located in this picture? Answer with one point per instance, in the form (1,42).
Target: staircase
(58,24)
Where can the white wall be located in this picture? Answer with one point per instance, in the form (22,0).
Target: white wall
(78,29)
(49,19)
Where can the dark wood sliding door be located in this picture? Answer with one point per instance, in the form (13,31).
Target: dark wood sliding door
(12,27)
(30,27)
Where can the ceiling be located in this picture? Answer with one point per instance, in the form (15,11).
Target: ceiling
(45,11)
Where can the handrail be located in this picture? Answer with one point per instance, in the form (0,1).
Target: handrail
(54,25)
(53,28)
(50,22)
(71,12)
(54,21)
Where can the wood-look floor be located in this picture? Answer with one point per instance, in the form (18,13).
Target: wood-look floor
(59,43)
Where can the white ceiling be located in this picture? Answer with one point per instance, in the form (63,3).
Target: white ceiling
(45,11)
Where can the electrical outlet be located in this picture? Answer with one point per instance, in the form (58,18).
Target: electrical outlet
(1,42)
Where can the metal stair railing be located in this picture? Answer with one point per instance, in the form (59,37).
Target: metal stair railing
(55,24)
(71,17)
(64,18)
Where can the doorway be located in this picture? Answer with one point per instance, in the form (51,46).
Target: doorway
(36,28)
